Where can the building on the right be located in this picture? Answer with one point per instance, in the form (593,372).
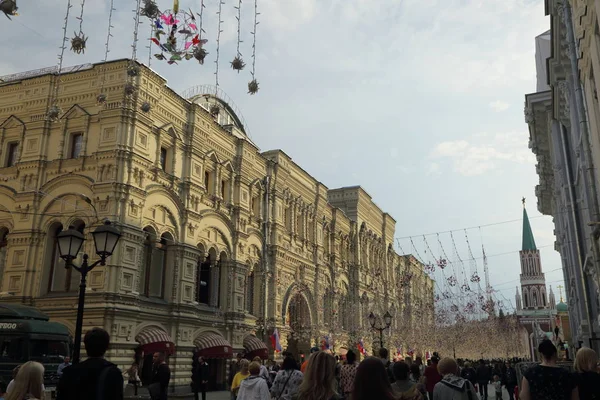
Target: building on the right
(564,135)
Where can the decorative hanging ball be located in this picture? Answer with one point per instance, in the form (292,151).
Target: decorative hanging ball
(129,88)
(9,7)
(54,113)
(200,54)
(238,64)
(253,86)
(133,70)
(101,98)
(78,43)
(146,107)
(150,9)
(215,110)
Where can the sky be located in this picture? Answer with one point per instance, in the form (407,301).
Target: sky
(418,101)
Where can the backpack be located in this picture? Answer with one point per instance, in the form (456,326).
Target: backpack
(389,367)
(101,383)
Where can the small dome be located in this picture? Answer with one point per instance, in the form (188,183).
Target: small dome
(562,307)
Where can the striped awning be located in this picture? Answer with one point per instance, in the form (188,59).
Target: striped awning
(153,339)
(252,343)
(152,334)
(213,345)
(255,348)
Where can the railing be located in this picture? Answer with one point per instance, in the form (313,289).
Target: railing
(212,90)
(43,71)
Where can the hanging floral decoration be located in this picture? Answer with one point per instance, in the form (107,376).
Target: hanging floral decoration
(150,9)
(130,89)
(54,110)
(9,8)
(442,263)
(54,113)
(79,40)
(146,107)
(238,63)
(200,52)
(475,278)
(102,97)
(253,84)
(177,36)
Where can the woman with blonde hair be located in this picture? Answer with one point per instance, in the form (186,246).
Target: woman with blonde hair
(239,377)
(319,378)
(588,380)
(28,383)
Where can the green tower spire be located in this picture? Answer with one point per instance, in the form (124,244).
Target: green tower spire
(528,240)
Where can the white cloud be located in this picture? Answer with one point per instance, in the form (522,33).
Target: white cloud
(471,157)
(499,105)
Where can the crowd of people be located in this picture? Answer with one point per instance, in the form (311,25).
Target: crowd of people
(324,377)
(93,379)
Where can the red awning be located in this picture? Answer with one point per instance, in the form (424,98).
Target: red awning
(213,345)
(153,339)
(255,348)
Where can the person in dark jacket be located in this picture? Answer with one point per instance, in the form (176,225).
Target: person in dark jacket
(199,377)
(95,378)
(161,376)
(469,373)
(483,379)
(510,379)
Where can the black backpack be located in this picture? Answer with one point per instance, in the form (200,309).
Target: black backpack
(389,367)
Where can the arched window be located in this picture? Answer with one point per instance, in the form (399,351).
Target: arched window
(534,298)
(3,251)
(288,218)
(61,279)
(525,298)
(250,293)
(204,280)
(327,307)
(221,277)
(154,264)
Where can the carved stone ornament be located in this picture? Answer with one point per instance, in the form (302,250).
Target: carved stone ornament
(529,115)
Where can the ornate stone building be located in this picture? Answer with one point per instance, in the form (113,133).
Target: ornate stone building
(563,117)
(221,243)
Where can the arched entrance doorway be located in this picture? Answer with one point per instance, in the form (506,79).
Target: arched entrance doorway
(300,323)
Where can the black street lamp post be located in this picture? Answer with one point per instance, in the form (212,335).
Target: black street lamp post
(376,324)
(70,241)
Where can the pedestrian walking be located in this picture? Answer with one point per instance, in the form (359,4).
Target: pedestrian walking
(588,380)
(452,387)
(200,373)
(161,375)
(287,381)
(239,377)
(510,379)
(319,380)
(66,363)
(498,387)
(133,377)
(404,388)
(483,379)
(254,387)
(371,381)
(548,381)
(94,378)
(28,383)
(432,376)
(348,374)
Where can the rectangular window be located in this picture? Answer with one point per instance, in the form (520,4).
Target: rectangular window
(12,154)
(163,158)
(223,184)
(76,143)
